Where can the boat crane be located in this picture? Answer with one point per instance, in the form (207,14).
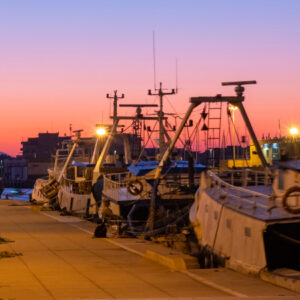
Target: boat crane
(239,89)
(139,116)
(136,118)
(50,190)
(237,100)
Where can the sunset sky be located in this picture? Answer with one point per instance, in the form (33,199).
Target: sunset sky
(60,58)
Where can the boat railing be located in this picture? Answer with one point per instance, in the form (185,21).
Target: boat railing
(77,187)
(248,177)
(242,195)
(115,186)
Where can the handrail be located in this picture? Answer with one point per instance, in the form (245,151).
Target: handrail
(108,177)
(117,189)
(244,180)
(73,180)
(77,187)
(253,194)
(241,189)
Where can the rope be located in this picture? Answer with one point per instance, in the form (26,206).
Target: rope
(164,221)
(285,237)
(149,139)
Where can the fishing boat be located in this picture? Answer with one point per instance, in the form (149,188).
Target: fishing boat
(81,189)
(45,189)
(153,196)
(252,225)
(80,192)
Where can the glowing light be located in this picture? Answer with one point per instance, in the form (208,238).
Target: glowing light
(101,131)
(294,131)
(232,107)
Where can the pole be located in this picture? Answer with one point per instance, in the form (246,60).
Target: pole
(100,162)
(251,131)
(233,138)
(69,157)
(160,113)
(115,103)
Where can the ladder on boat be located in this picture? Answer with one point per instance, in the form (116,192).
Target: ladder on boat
(214,130)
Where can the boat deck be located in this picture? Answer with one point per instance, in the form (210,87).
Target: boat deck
(254,206)
(264,189)
(122,197)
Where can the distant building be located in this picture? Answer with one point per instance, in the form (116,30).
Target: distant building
(3,157)
(285,148)
(34,162)
(42,147)
(15,172)
(38,155)
(274,150)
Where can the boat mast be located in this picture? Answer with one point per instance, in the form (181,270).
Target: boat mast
(114,117)
(160,114)
(115,103)
(77,134)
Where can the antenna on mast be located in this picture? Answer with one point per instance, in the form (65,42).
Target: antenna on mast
(160,92)
(70,129)
(115,102)
(176,75)
(279,128)
(154,60)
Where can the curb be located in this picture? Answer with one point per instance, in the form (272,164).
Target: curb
(282,281)
(175,263)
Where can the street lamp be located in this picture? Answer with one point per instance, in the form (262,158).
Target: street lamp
(233,109)
(294,131)
(101,131)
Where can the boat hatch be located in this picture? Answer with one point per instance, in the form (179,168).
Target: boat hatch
(282,245)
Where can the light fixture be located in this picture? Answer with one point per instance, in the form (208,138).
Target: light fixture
(294,131)
(101,131)
(232,107)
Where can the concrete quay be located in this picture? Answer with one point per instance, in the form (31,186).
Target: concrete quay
(57,258)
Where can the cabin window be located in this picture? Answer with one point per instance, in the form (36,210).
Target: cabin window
(248,231)
(281,179)
(215,215)
(275,153)
(71,173)
(228,223)
(80,172)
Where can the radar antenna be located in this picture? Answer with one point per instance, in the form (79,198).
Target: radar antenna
(138,108)
(239,86)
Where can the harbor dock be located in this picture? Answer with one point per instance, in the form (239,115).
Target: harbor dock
(48,256)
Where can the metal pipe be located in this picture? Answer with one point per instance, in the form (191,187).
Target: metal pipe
(67,161)
(105,149)
(96,151)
